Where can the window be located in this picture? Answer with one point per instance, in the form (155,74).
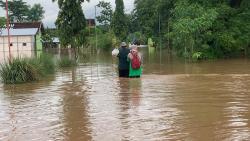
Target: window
(24,44)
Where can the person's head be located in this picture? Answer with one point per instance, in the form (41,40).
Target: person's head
(123,44)
(134,48)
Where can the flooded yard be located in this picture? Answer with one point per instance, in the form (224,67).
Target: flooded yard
(173,100)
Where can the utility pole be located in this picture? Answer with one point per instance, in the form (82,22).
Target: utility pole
(8,27)
(95,31)
(160,36)
(96,44)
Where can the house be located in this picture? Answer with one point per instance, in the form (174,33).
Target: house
(23,37)
(54,43)
(90,23)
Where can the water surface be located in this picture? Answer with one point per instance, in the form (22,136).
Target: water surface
(174,100)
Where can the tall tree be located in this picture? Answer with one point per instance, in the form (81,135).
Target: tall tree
(105,14)
(36,13)
(71,23)
(148,14)
(18,10)
(120,21)
(191,23)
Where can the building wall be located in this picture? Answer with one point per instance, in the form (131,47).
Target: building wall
(19,43)
(39,45)
(18,49)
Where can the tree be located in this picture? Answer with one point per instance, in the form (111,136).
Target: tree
(147,14)
(191,22)
(2,21)
(71,23)
(36,13)
(106,14)
(196,28)
(119,21)
(18,10)
(151,18)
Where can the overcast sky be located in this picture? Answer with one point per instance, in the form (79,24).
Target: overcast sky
(51,9)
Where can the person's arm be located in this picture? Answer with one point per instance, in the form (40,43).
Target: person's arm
(129,57)
(118,55)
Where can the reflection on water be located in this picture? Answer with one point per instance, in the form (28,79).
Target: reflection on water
(174,100)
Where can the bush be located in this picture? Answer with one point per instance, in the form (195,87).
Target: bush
(47,63)
(66,62)
(19,71)
(105,41)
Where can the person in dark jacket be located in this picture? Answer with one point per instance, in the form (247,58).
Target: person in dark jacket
(123,65)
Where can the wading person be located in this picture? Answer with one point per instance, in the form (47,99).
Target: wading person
(123,66)
(134,57)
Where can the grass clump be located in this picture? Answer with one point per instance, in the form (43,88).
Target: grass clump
(21,70)
(66,62)
(47,63)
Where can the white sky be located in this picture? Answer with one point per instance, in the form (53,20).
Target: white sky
(51,9)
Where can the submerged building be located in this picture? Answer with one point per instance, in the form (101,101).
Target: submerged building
(23,37)
(25,40)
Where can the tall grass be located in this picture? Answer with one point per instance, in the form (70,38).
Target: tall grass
(21,70)
(48,64)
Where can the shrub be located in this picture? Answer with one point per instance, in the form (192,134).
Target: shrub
(19,71)
(47,63)
(105,41)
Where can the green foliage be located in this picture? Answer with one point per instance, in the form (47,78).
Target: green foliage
(19,71)
(190,23)
(105,41)
(149,15)
(47,63)
(197,56)
(119,21)
(213,28)
(71,23)
(66,62)
(36,13)
(47,37)
(19,11)
(2,21)
(105,15)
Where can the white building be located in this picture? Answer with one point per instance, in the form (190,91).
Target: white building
(24,39)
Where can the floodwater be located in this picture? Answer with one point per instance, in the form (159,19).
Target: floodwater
(173,100)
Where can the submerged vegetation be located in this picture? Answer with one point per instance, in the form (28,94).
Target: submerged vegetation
(22,70)
(196,29)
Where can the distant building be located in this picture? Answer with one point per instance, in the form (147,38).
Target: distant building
(90,22)
(55,43)
(23,36)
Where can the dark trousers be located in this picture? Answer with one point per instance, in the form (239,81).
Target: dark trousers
(123,73)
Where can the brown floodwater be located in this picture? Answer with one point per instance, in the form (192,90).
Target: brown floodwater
(173,100)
